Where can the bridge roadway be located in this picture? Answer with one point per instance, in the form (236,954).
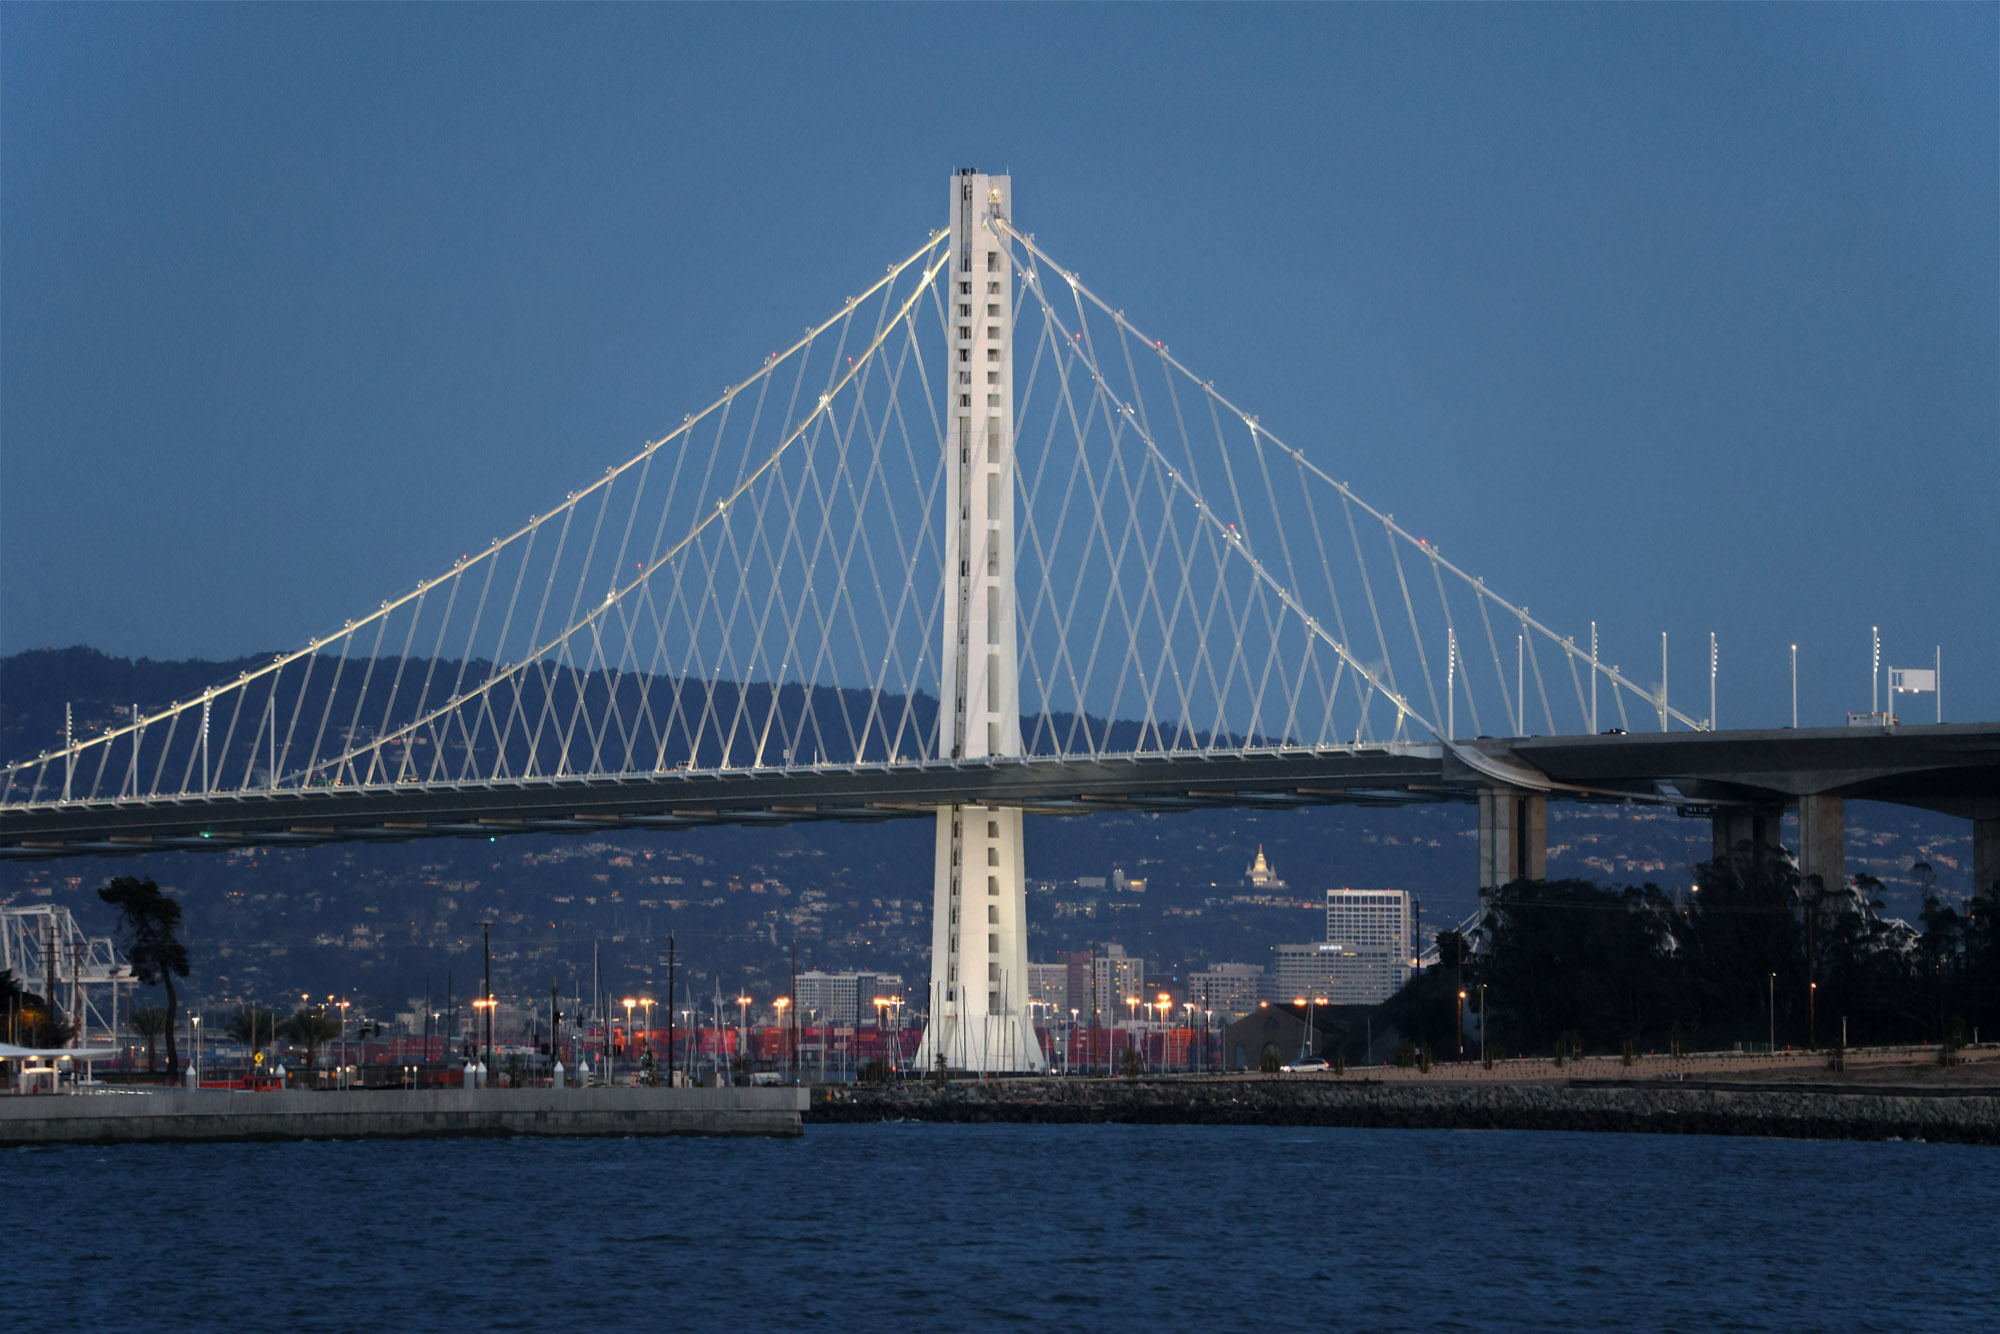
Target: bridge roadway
(1744,780)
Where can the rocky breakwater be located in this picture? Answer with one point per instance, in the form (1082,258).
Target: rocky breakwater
(1797,1110)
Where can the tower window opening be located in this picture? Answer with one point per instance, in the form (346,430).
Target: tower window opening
(992,289)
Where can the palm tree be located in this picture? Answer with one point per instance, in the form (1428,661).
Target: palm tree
(251,1025)
(149,1022)
(157,955)
(309,1028)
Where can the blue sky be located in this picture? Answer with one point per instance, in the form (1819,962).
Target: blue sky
(1684,318)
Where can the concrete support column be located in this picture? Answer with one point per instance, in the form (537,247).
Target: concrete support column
(1823,840)
(1513,836)
(1759,826)
(1985,856)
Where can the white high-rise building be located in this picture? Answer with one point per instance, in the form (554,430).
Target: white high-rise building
(979,932)
(1369,949)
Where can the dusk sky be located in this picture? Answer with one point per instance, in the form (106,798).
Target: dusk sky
(1678,317)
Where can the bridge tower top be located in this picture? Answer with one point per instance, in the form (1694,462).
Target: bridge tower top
(980,663)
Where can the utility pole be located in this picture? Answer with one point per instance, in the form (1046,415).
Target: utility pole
(670,1007)
(792,1038)
(486,940)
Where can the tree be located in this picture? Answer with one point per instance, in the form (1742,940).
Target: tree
(1573,960)
(251,1025)
(148,920)
(149,1022)
(11,995)
(31,1020)
(1743,938)
(309,1028)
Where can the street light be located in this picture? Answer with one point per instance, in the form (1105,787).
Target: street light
(1773,1047)
(1461,1023)
(629,1003)
(1812,1016)
(342,1081)
(881,1021)
(1482,1023)
(743,1025)
(484,1004)
(646,1003)
(781,1003)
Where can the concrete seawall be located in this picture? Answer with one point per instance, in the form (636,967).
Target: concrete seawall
(218,1114)
(1789,1110)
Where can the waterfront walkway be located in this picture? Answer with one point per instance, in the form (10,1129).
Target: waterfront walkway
(226,1114)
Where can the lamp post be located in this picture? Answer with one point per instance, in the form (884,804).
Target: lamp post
(1772,1047)
(484,1004)
(781,1004)
(687,1019)
(629,1003)
(1482,1023)
(646,1003)
(342,1081)
(1461,1023)
(881,1021)
(743,1026)
(1812,1016)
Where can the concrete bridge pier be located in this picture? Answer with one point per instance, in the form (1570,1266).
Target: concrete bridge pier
(1823,841)
(1759,826)
(1513,836)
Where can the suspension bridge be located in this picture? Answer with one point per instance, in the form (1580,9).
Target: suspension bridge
(972,546)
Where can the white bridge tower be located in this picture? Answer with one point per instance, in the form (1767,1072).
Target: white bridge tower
(979,931)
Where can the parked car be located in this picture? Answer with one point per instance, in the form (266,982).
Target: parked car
(1311,1065)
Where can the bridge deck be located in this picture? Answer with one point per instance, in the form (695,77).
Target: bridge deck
(1954,768)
